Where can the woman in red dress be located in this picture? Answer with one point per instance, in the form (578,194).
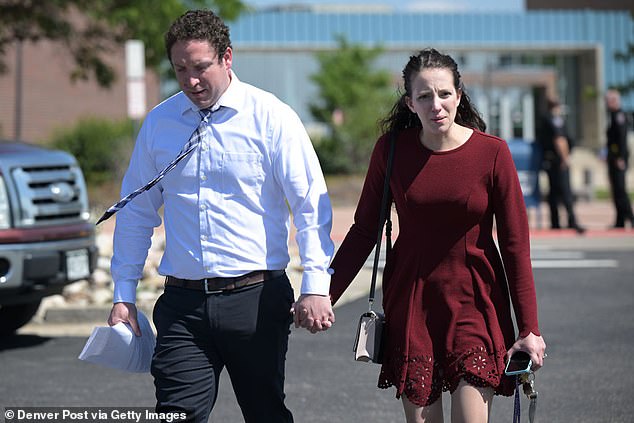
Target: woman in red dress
(446,286)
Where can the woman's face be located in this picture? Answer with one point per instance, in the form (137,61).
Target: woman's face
(434,99)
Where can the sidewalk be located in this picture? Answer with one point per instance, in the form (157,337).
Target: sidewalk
(596,216)
(86,303)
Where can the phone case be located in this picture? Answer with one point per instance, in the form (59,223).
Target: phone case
(527,369)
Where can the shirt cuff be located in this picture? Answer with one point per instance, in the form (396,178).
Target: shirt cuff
(315,283)
(124,292)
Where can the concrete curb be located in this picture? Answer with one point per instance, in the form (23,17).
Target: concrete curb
(83,314)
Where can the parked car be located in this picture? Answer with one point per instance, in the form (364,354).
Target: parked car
(46,239)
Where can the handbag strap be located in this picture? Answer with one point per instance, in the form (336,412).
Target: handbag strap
(528,385)
(384,216)
(516,401)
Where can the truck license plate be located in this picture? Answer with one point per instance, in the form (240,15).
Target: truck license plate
(77,266)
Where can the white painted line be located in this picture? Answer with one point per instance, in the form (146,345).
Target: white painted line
(553,255)
(574,264)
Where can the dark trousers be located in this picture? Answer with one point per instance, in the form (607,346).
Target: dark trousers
(245,330)
(620,197)
(560,193)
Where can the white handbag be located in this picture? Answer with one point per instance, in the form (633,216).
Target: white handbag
(368,346)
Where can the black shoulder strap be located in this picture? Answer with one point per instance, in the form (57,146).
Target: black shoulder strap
(384,216)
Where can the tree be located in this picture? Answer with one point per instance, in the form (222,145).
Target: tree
(91,30)
(352,98)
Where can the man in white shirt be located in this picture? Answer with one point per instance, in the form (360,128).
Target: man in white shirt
(227,300)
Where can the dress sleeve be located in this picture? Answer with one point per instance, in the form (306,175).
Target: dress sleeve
(513,237)
(361,236)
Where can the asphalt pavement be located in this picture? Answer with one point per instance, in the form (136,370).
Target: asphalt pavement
(586,317)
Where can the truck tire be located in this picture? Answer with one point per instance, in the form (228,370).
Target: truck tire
(13,317)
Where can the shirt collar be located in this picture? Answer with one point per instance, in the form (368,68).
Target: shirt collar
(231,98)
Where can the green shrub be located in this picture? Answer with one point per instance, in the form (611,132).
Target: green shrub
(102,147)
(353,95)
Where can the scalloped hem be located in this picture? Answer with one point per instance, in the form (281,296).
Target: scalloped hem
(427,379)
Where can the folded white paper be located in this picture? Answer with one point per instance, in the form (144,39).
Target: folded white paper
(119,348)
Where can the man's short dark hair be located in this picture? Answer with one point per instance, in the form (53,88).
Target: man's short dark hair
(203,25)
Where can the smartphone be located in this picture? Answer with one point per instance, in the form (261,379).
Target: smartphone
(519,363)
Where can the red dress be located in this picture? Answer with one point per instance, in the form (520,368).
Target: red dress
(445,291)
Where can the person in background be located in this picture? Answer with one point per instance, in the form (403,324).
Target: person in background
(617,158)
(446,286)
(556,148)
(227,301)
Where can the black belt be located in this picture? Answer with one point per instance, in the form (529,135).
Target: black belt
(218,285)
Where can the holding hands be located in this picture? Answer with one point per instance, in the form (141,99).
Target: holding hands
(313,312)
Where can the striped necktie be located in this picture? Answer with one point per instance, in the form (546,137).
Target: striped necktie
(190,146)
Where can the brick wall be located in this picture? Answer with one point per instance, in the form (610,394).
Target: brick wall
(51,100)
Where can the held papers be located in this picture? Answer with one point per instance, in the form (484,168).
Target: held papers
(119,348)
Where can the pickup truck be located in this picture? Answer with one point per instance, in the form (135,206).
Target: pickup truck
(46,239)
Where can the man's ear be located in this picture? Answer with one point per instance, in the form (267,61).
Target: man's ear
(227,58)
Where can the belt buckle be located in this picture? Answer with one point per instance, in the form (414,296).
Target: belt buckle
(207,291)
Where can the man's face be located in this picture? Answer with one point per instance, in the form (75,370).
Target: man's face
(613,100)
(200,74)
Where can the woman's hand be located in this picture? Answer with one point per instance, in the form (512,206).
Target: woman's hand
(533,345)
(313,312)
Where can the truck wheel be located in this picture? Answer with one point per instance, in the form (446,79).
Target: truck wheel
(13,317)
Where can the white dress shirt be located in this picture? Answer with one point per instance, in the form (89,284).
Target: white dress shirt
(226,205)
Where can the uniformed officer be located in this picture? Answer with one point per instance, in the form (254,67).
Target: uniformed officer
(617,158)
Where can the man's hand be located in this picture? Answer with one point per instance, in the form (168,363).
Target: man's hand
(313,312)
(126,313)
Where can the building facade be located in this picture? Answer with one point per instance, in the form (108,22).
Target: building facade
(511,62)
(579,5)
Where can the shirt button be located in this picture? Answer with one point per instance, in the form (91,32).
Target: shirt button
(203,178)
(203,237)
(203,207)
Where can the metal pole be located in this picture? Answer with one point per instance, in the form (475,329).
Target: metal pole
(18,91)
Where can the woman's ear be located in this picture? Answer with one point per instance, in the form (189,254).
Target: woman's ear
(408,102)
